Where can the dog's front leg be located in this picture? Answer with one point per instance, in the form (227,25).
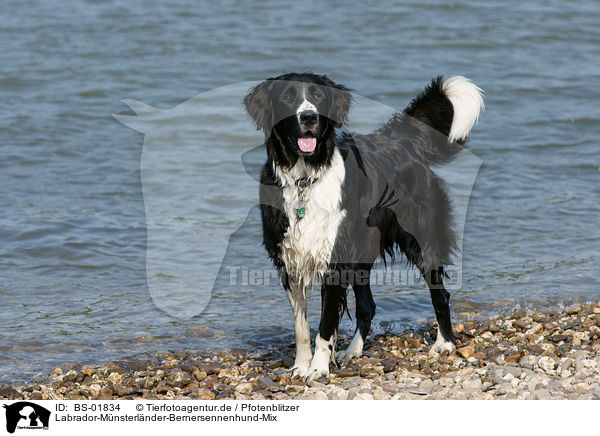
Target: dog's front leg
(297,297)
(332,298)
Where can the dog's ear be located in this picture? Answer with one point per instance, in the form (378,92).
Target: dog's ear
(340,99)
(258,103)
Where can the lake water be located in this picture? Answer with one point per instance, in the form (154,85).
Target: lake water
(77,222)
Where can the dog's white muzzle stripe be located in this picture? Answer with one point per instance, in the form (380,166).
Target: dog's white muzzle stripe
(306,106)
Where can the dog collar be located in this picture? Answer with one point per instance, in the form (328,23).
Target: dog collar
(304,182)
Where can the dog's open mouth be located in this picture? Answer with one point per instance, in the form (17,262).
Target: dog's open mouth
(307,143)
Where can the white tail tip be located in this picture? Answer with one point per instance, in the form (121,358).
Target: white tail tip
(467,101)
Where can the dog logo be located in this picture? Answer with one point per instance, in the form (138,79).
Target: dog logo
(26,415)
(188,226)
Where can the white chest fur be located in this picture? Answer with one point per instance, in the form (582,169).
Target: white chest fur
(308,242)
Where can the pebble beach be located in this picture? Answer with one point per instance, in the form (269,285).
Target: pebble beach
(519,355)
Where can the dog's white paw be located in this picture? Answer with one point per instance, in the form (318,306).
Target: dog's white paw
(355,349)
(441,345)
(299,370)
(347,355)
(301,365)
(318,368)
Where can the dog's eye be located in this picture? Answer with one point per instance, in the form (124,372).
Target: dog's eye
(317,95)
(287,98)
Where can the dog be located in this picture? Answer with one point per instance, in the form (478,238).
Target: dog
(332,204)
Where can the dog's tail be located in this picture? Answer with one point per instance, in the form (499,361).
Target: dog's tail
(450,106)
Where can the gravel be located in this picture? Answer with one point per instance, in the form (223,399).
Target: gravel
(541,356)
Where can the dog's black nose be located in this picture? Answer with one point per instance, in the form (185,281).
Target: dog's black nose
(308,118)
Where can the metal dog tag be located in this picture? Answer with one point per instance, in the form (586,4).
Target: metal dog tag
(300,210)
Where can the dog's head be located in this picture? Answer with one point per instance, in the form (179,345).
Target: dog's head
(299,114)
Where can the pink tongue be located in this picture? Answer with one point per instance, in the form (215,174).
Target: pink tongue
(307,145)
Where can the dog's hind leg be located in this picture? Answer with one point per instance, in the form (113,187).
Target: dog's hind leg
(441,298)
(365,311)
(332,304)
(297,297)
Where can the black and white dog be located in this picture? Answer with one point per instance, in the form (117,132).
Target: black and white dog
(331,205)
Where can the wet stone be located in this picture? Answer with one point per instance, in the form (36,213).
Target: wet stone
(268,383)
(513,357)
(276,364)
(520,325)
(9,393)
(466,351)
(388,365)
(535,348)
(136,365)
(347,372)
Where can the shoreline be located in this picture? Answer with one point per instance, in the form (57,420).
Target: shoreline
(524,355)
